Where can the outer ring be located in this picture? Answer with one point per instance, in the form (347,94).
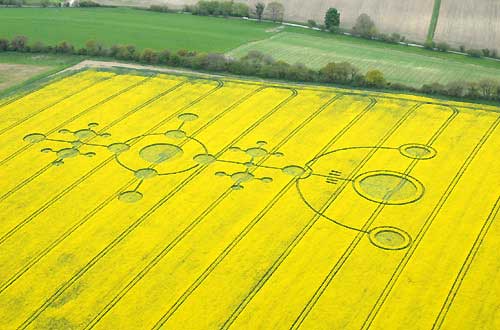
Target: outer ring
(372,233)
(405,153)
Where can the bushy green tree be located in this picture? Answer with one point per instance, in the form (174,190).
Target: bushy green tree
(149,56)
(365,26)
(475,53)
(18,43)
(443,46)
(4,45)
(240,10)
(342,73)
(375,78)
(332,19)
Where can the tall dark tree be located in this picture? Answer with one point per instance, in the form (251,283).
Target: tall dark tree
(276,11)
(259,10)
(332,19)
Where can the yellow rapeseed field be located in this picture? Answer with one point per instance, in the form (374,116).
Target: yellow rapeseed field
(148,201)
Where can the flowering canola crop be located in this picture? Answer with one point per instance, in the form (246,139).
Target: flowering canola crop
(179,202)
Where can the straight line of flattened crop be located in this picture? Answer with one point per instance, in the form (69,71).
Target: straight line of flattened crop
(434,20)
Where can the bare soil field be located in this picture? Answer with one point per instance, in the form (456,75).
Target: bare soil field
(408,17)
(475,24)
(12,74)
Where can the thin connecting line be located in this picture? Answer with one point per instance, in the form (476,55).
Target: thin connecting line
(244,164)
(82,142)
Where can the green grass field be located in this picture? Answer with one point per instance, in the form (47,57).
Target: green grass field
(144,29)
(401,64)
(141,28)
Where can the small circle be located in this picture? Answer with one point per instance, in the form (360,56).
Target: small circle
(417,151)
(92,125)
(145,173)
(67,153)
(234,148)
(389,238)
(242,176)
(159,153)
(237,187)
(387,187)
(256,152)
(261,143)
(176,134)
(220,173)
(187,116)
(293,170)
(34,137)
(204,159)
(266,179)
(105,135)
(46,150)
(64,131)
(130,196)
(85,133)
(118,148)
(89,154)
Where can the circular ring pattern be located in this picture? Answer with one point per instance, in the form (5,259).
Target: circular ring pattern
(388,187)
(389,238)
(417,151)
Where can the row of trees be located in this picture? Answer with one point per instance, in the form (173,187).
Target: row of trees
(257,64)
(274,11)
(12,3)
(219,8)
(366,28)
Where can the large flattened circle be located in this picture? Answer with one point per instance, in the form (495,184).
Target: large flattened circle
(166,154)
(388,187)
(160,152)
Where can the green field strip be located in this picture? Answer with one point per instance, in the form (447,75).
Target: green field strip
(434,20)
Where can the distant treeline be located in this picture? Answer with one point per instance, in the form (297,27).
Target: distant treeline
(219,8)
(258,65)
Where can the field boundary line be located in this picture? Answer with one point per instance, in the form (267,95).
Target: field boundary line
(110,65)
(134,225)
(48,107)
(78,115)
(89,215)
(296,240)
(198,220)
(467,264)
(427,224)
